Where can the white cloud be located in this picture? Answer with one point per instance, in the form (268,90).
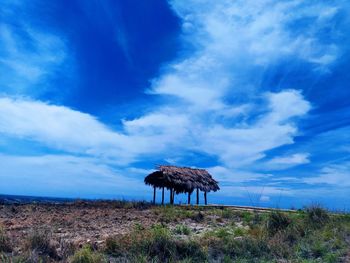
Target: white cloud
(65,175)
(234,43)
(264,198)
(335,175)
(72,131)
(298,158)
(287,161)
(28,56)
(229,175)
(255,191)
(61,128)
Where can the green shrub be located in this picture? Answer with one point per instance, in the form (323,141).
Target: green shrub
(278,246)
(113,246)
(5,245)
(224,232)
(169,213)
(228,213)
(258,218)
(248,248)
(247,217)
(317,216)
(239,231)
(190,250)
(66,249)
(198,217)
(139,258)
(182,230)
(86,255)
(40,242)
(277,221)
(160,245)
(155,244)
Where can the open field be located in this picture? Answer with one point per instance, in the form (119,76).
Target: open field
(120,231)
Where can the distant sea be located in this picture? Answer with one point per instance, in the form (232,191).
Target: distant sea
(22,199)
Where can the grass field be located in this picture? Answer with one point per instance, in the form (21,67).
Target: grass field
(139,232)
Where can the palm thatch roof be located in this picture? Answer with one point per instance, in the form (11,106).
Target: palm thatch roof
(182,179)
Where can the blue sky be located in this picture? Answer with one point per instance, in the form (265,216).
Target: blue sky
(94,94)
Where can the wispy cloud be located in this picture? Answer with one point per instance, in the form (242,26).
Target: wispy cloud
(336,175)
(24,67)
(60,175)
(61,128)
(284,162)
(28,56)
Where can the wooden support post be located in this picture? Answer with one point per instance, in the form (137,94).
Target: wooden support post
(197,196)
(163,196)
(171,196)
(189,198)
(154,194)
(205,198)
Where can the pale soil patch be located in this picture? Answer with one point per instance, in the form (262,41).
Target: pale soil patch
(85,223)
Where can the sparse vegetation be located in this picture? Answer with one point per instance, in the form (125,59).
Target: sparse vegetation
(182,230)
(86,255)
(39,243)
(316,215)
(5,245)
(189,234)
(277,221)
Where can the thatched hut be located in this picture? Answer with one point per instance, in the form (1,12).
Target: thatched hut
(181,180)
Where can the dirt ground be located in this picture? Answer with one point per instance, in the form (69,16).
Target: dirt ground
(82,223)
(74,223)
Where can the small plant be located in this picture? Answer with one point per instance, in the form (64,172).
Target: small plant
(227,213)
(190,251)
(40,242)
(160,245)
(277,221)
(66,249)
(113,246)
(5,245)
(223,233)
(86,255)
(198,217)
(317,216)
(246,217)
(239,231)
(182,230)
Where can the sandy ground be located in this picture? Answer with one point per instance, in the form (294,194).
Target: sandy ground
(75,223)
(82,223)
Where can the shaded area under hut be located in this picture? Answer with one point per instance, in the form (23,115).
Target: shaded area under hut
(181,180)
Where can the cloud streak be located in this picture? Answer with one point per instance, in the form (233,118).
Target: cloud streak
(24,67)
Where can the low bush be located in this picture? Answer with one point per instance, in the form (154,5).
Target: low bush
(239,231)
(86,255)
(160,245)
(5,245)
(156,244)
(66,249)
(242,248)
(277,221)
(190,250)
(198,217)
(113,246)
(316,216)
(182,230)
(246,217)
(39,241)
(228,213)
